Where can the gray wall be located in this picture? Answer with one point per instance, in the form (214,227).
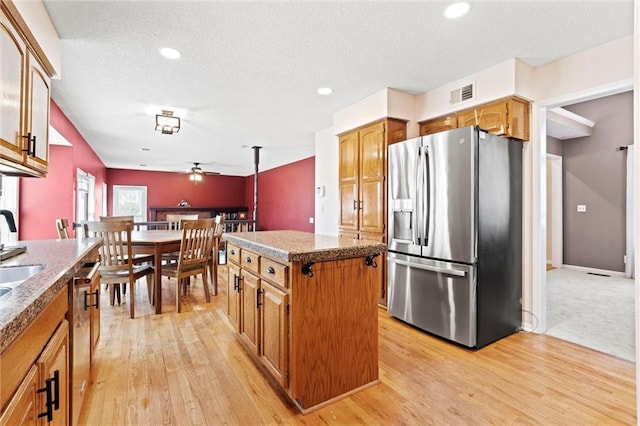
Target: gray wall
(554,146)
(595,175)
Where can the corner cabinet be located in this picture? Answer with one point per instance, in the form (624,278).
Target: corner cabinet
(24,105)
(507,117)
(363,182)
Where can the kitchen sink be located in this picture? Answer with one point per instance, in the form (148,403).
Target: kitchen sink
(18,273)
(4,290)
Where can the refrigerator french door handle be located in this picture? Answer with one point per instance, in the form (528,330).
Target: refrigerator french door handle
(427,197)
(446,271)
(416,230)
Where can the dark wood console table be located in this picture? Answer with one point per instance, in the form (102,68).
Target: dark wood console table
(160,213)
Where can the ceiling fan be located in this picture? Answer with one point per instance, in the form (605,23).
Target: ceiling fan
(197,173)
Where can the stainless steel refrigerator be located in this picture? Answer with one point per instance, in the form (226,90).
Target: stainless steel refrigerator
(455,235)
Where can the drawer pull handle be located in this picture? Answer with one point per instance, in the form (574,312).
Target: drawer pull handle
(247,259)
(270,270)
(233,251)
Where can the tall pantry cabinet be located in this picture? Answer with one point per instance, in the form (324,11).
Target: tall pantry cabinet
(363,182)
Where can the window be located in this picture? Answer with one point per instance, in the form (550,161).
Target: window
(85,196)
(130,201)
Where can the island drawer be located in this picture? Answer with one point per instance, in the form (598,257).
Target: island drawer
(234,253)
(250,261)
(274,272)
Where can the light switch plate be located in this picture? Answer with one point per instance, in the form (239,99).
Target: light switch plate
(581,208)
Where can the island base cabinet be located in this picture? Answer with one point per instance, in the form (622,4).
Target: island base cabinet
(334,330)
(233,295)
(312,327)
(250,311)
(274,332)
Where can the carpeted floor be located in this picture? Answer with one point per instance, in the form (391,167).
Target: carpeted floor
(593,311)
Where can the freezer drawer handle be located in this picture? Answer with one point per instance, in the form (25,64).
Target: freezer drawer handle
(447,271)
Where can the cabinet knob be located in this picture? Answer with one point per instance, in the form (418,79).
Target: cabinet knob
(247,259)
(233,251)
(270,270)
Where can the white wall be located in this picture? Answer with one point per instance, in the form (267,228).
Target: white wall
(601,65)
(636,168)
(491,83)
(328,205)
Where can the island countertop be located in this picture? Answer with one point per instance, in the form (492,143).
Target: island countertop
(63,258)
(296,246)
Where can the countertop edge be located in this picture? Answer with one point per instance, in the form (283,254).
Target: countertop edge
(362,249)
(50,287)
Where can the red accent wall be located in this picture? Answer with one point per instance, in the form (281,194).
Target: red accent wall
(43,200)
(286,197)
(286,193)
(166,189)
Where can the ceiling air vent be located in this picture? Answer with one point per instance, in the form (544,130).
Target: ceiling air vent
(461,94)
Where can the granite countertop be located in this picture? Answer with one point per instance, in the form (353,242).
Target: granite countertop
(296,246)
(20,306)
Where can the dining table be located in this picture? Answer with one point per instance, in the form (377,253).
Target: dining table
(156,242)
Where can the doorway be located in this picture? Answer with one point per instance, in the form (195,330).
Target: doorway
(546,242)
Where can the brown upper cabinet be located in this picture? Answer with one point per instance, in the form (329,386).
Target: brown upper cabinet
(24,113)
(362,180)
(507,117)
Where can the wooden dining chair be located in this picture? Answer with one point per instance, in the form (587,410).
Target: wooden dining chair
(114,267)
(138,259)
(176,219)
(195,250)
(62,226)
(218,229)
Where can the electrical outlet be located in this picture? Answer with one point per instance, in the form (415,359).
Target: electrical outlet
(310,220)
(581,208)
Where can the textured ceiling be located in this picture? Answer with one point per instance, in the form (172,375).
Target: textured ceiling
(250,70)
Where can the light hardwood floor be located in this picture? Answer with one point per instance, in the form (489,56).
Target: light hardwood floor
(188,368)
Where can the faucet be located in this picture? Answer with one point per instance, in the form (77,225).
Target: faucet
(8,215)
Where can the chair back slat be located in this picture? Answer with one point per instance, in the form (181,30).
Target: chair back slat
(197,240)
(115,249)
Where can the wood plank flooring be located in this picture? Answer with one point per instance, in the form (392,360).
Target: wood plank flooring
(189,369)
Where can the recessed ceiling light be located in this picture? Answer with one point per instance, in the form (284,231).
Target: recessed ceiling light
(145,149)
(143,165)
(170,53)
(456,10)
(324,91)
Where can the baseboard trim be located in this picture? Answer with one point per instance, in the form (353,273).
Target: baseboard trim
(594,270)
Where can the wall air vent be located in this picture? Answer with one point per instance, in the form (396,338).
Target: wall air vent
(462,94)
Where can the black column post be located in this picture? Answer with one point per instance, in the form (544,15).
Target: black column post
(256,162)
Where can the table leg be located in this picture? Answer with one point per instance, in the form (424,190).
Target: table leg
(158,277)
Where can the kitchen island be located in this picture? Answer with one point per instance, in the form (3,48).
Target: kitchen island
(305,307)
(35,344)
